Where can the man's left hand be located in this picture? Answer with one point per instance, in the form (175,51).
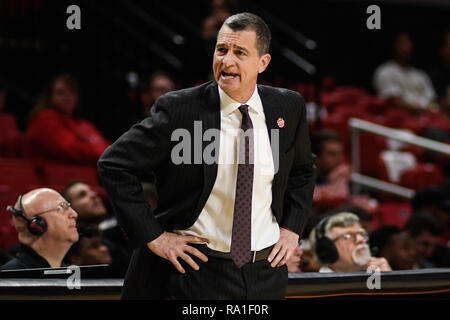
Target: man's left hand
(284,248)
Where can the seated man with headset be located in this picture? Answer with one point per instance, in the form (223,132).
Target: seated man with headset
(340,245)
(46,226)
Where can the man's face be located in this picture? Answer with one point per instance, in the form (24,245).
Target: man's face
(403,47)
(332,155)
(426,243)
(63,97)
(86,202)
(401,252)
(346,240)
(237,63)
(93,251)
(61,221)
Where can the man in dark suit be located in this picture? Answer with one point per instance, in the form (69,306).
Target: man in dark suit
(234,194)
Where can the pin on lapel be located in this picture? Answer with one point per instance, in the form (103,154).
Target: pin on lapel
(280,122)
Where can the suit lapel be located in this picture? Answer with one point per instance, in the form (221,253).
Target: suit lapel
(272,111)
(209,116)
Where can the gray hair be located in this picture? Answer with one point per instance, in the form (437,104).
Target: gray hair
(246,20)
(342,219)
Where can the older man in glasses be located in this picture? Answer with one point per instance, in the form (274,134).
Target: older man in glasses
(46,226)
(340,244)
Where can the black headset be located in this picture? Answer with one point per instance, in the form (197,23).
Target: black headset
(326,250)
(36,224)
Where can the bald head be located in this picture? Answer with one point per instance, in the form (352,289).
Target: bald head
(40,200)
(52,207)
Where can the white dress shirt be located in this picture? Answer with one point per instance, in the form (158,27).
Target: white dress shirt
(413,85)
(215,221)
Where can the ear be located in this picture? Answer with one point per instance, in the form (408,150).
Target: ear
(264,62)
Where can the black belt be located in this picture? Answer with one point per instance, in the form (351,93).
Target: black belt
(256,255)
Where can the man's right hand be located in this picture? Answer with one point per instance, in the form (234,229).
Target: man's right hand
(170,246)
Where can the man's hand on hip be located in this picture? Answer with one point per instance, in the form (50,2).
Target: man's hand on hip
(284,248)
(170,246)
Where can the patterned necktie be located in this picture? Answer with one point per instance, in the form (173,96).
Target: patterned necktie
(242,218)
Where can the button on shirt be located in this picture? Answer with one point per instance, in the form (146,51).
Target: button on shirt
(215,221)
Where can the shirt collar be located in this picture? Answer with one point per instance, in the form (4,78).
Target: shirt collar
(228,105)
(31,258)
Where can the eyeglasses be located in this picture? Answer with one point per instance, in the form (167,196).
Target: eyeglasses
(353,236)
(62,206)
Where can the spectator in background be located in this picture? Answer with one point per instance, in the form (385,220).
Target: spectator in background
(46,226)
(440,75)
(55,129)
(89,249)
(9,132)
(396,246)
(220,11)
(4,257)
(159,83)
(340,245)
(403,85)
(333,175)
(92,214)
(436,201)
(425,229)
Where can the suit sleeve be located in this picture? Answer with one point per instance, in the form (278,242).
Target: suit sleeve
(300,187)
(123,165)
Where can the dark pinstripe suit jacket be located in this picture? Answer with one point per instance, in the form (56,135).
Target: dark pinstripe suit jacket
(184,189)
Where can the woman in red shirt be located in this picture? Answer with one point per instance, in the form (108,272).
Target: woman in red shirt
(56,132)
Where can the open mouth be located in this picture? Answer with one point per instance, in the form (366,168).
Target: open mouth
(228,75)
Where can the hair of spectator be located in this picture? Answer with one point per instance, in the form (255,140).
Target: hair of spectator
(246,20)
(359,211)
(381,236)
(65,191)
(44,101)
(319,138)
(341,219)
(422,221)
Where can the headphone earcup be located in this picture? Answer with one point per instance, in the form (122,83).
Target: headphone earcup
(37,225)
(326,250)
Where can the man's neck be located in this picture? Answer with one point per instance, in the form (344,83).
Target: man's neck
(52,252)
(241,97)
(402,63)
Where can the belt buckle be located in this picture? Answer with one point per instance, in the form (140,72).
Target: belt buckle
(254,256)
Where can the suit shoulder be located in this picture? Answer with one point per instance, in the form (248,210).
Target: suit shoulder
(281,92)
(185,95)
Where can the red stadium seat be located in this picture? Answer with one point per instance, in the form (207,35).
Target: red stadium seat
(421,176)
(61,174)
(9,126)
(20,174)
(8,234)
(371,147)
(10,137)
(393,213)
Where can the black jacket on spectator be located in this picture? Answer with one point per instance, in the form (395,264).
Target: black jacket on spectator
(26,258)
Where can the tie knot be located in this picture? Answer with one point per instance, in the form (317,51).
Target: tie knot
(243,108)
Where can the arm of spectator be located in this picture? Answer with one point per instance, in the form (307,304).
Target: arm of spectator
(380,263)
(341,172)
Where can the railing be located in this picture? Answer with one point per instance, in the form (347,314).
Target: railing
(429,282)
(357,125)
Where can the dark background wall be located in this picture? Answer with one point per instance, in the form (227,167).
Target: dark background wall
(120,36)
